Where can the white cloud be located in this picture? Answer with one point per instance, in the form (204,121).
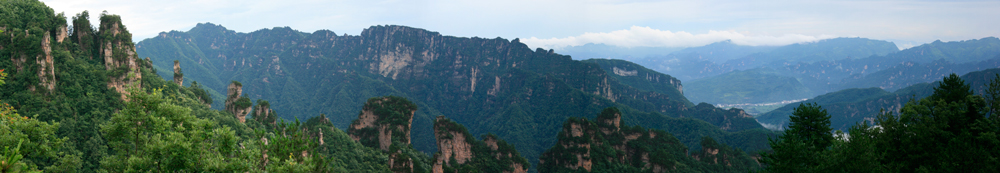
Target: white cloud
(637,36)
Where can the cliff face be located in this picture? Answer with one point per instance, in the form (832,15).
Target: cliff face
(235,103)
(458,151)
(383,121)
(46,69)
(119,55)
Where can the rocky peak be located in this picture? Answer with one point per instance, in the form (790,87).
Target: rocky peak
(238,105)
(263,113)
(584,144)
(119,55)
(456,148)
(451,141)
(609,120)
(383,121)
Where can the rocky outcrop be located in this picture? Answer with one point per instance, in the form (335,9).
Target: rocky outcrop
(383,121)
(119,55)
(178,76)
(46,68)
(263,114)
(456,148)
(61,33)
(451,142)
(238,105)
(584,144)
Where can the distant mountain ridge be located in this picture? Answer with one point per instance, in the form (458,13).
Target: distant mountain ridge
(850,106)
(836,70)
(717,58)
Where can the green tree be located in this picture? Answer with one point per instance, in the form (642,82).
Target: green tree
(811,124)
(799,149)
(153,134)
(946,132)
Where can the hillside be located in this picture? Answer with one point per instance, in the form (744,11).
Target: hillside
(850,106)
(494,86)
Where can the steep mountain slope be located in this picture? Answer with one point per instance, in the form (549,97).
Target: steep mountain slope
(850,106)
(493,85)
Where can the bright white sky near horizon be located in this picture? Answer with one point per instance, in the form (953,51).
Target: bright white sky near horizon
(558,23)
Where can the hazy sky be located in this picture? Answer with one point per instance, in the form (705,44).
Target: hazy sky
(555,24)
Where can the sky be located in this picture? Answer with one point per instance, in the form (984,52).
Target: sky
(557,23)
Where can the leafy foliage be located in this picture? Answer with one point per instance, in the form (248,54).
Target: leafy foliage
(946,132)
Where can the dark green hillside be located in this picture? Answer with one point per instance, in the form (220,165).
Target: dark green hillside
(494,86)
(760,85)
(850,106)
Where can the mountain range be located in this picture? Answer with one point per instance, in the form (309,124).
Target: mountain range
(494,86)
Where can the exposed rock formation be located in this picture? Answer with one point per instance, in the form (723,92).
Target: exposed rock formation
(456,148)
(236,104)
(119,55)
(383,121)
(178,76)
(61,34)
(605,145)
(263,114)
(587,143)
(46,68)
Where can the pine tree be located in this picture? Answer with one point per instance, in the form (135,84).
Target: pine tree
(799,149)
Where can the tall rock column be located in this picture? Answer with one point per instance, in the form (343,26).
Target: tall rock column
(384,122)
(46,68)
(263,113)
(457,148)
(178,76)
(119,55)
(237,105)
